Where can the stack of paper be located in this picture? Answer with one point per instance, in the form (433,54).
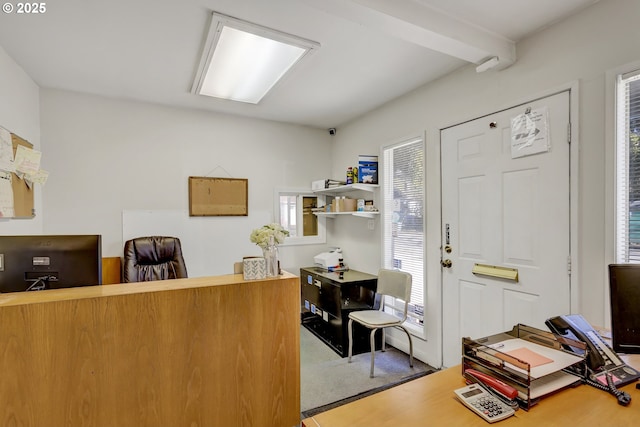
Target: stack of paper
(546,365)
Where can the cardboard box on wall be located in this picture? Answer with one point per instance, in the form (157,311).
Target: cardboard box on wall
(349,205)
(368,169)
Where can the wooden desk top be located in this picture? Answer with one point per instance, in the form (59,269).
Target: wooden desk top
(24,298)
(429,401)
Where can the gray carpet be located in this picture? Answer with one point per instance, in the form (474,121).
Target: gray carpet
(327,378)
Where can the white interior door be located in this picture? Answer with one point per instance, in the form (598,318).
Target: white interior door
(508,212)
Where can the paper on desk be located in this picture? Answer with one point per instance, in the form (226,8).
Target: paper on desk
(551,383)
(531,357)
(559,359)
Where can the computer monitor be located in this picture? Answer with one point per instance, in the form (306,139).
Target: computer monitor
(624,284)
(49,262)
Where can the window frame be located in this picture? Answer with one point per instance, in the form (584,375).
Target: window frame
(610,241)
(618,126)
(391,304)
(321,237)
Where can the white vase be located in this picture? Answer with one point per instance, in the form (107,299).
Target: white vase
(270,253)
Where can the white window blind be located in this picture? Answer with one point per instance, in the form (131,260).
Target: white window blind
(403,200)
(628,168)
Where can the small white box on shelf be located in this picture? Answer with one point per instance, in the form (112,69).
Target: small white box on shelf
(254,268)
(318,184)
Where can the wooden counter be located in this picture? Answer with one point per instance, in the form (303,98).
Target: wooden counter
(111,270)
(212,351)
(429,401)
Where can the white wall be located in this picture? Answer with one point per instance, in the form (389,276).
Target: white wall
(108,156)
(578,50)
(20,114)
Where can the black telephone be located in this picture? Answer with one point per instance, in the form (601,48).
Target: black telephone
(605,369)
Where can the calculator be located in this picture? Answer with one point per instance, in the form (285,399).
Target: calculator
(484,403)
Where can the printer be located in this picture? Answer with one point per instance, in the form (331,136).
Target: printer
(328,260)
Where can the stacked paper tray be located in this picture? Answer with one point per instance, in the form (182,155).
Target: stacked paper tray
(531,360)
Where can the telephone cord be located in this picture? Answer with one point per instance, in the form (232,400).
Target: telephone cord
(623,397)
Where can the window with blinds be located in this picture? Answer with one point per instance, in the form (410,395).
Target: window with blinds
(628,168)
(403,197)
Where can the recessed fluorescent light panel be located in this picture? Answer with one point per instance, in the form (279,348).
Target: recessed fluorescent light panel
(243,61)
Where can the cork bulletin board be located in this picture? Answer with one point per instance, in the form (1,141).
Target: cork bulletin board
(218,196)
(22,193)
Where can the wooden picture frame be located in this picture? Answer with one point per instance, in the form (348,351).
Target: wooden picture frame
(218,196)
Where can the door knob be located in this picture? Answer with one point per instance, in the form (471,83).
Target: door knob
(446,263)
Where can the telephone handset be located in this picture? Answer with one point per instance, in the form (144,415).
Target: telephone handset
(605,369)
(577,328)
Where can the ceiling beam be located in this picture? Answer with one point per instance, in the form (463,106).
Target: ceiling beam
(418,23)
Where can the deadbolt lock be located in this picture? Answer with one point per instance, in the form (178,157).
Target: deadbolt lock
(446,263)
(447,249)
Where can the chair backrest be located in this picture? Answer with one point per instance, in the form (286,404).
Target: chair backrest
(153,258)
(395,283)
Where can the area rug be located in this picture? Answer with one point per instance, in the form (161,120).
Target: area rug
(314,411)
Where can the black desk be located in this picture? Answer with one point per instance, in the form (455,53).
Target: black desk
(327,298)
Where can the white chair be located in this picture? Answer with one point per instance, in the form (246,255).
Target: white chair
(393,283)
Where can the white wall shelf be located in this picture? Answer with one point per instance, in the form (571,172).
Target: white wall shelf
(345,189)
(363,214)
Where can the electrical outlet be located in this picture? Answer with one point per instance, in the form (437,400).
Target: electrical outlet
(371,224)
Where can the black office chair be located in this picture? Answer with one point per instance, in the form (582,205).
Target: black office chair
(153,258)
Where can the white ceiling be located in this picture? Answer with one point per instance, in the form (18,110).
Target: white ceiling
(372,51)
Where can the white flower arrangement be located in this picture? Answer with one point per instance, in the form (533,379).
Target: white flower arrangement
(260,236)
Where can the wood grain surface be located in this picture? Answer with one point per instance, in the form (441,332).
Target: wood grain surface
(430,401)
(111,270)
(216,351)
